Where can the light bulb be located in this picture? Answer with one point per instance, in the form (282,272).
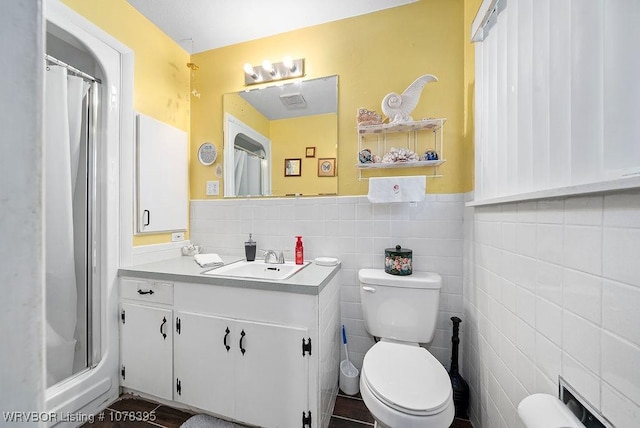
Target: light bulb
(288,62)
(249,70)
(268,67)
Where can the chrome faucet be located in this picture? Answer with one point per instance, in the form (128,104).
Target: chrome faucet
(271,257)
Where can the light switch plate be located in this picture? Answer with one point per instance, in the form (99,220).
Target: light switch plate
(177,236)
(213,188)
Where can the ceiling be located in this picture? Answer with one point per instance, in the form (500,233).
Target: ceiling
(320,97)
(201,25)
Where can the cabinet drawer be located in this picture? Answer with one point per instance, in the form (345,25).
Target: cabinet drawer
(146,291)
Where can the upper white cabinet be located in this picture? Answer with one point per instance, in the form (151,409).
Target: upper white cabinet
(162,176)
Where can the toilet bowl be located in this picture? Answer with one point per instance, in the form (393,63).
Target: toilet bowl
(401,383)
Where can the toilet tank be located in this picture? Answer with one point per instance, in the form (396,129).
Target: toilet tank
(402,308)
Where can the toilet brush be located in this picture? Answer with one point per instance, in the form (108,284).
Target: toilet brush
(350,369)
(458,384)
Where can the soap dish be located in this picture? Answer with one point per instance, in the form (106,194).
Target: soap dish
(326,261)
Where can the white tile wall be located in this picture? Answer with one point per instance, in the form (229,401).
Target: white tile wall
(355,231)
(564,279)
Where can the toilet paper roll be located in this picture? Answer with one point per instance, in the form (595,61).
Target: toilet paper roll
(546,411)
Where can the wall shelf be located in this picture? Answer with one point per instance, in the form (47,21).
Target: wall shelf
(416,164)
(387,128)
(379,139)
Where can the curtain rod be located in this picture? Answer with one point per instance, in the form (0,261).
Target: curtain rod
(72,69)
(248,152)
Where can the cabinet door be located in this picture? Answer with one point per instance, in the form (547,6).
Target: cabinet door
(146,345)
(272,376)
(203,365)
(163,176)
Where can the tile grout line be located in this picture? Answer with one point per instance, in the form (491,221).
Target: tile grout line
(344,418)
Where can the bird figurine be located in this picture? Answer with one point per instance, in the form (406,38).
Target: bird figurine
(398,107)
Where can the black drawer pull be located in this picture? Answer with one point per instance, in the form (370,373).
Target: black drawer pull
(164,321)
(145,292)
(225,339)
(242,334)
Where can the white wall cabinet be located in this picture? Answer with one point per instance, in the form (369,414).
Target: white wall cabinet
(162,176)
(276,382)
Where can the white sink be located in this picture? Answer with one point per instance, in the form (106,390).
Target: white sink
(258,270)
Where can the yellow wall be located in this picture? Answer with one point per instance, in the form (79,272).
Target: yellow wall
(161,77)
(238,107)
(373,55)
(289,139)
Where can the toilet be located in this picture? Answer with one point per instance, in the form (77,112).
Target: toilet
(401,383)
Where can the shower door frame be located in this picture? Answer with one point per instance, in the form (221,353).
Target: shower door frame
(90,389)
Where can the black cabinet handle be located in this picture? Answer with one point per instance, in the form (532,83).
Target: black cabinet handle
(145,292)
(148,213)
(242,334)
(225,339)
(164,321)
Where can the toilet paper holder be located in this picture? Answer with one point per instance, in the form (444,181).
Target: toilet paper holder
(579,406)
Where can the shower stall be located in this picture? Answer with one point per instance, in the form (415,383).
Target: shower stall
(88,185)
(71,210)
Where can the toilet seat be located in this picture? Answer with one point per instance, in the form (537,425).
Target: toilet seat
(406,378)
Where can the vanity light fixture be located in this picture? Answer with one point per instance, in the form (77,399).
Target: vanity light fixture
(273,72)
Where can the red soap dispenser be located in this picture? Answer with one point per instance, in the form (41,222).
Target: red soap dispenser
(299,251)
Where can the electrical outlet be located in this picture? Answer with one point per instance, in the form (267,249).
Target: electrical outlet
(213,188)
(177,236)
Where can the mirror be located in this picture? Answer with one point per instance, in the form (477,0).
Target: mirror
(270,130)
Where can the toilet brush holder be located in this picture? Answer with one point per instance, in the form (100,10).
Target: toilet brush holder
(349,374)
(349,378)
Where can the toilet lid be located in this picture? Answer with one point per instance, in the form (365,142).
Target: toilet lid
(407,378)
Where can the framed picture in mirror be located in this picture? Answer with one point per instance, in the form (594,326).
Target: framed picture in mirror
(292,167)
(311,152)
(327,167)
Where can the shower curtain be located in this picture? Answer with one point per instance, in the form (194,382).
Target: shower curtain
(248,174)
(241,160)
(63,118)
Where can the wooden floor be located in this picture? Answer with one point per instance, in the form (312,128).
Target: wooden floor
(130,411)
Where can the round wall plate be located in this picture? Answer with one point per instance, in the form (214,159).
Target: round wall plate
(207,154)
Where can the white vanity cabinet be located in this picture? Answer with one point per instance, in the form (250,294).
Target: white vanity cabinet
(265,357)
(146,337)
(241,369)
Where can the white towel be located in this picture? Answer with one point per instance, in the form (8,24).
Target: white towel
(208,260)
(397,189)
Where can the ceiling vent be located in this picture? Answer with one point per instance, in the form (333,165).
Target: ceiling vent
(293,101)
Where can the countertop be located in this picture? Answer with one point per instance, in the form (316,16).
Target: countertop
(309,280)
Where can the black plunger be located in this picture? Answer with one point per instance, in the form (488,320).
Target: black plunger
(459,385)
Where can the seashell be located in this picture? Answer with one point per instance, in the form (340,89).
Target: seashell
(429,155)
(368,117)
(365,156)
(400,155)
